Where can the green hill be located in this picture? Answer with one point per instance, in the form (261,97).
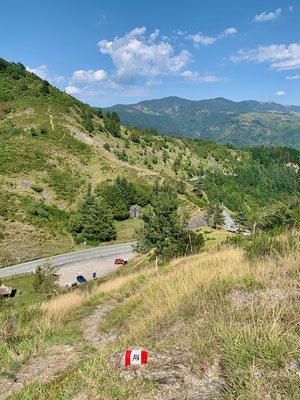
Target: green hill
(52,147)
(245,123)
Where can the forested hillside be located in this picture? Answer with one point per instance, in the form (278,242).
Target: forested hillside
(245,123)
(62,161)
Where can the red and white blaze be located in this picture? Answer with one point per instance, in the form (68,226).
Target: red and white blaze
(136,357)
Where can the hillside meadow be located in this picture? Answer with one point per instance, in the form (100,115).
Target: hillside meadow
(54,146)
(236,317)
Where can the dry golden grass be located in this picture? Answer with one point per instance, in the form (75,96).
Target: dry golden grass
(165,293)
(120,281)
(61,306)
(115,284)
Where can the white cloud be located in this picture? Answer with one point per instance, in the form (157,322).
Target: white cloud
(267,17)
(154,35)
(280,57)
(89,76)
(228,32)
(291,8)
(72,90)
(41,71)
(195,77)
(58,78)
(199,38)
(292,77)
(280,93)
(136,55)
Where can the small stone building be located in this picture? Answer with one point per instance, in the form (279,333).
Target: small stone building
(5,291)
(135,212)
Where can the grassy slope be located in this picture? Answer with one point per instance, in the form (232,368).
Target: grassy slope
(253,341)
(61,162)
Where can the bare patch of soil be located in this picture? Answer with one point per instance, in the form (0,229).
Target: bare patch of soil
(57,360)
(272,296)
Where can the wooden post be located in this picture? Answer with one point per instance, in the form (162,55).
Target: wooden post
(156,263)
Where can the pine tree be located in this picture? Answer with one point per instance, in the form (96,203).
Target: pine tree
(161,222)
(46,279)
(93,219)
(213,215)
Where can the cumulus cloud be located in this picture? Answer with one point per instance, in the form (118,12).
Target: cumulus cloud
(58,78)
(135,55)
(72,90)
(280,93)
(292,77)
(199,38)
(267,17)
(281,57)
(154,35)
(228,32)
(89,76)
(195,77)
(41,71)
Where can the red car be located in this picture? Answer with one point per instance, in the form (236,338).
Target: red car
(120,261)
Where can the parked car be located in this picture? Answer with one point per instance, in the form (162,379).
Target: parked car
(121,261)
(81,279)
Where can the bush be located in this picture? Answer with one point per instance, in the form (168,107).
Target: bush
(46,279)
(134,136)
(121,155)
(106,146)
(45,88)
(37,188)
(37,209)
(265,245)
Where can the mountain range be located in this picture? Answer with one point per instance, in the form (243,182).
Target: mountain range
(245,123)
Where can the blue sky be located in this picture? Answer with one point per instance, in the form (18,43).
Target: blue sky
(106,53)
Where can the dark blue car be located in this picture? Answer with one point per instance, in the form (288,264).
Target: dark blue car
(81,279)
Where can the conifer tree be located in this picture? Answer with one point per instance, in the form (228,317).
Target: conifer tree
(161,222)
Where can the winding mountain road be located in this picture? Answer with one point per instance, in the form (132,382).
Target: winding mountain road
(85,262)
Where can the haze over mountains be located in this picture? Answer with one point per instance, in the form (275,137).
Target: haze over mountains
(245,123)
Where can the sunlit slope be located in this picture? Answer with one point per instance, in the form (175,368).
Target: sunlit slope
(52,146)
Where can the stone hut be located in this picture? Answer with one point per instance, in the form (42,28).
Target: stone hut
(135,212)
(5,291)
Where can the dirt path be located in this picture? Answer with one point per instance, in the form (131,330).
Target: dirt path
(91,328)
(51,118)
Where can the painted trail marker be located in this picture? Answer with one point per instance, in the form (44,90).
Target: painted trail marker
(136,357)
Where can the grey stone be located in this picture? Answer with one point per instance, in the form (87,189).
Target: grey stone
(176,379)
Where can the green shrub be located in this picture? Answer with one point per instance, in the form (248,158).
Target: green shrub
(37,188)
(266,244)
(37,209)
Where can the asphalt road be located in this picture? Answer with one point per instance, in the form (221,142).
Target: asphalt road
(98,259)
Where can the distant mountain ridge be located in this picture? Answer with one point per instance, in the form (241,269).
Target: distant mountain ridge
(244,123)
